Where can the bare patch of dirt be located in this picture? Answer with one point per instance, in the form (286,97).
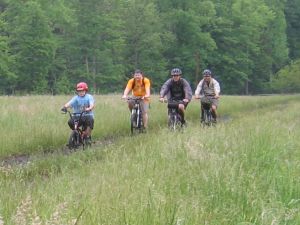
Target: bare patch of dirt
(24,159)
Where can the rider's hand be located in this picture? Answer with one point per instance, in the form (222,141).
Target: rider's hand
(124,97)
(161,99)
(185,100)
(217,96)
(64,109)
(197,97)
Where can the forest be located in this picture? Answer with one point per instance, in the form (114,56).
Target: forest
(47,46)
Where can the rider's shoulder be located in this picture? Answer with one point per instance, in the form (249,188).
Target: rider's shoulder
(146,80)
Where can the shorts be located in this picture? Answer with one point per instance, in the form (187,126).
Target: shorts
(207,101)
(143,104)
(86,121)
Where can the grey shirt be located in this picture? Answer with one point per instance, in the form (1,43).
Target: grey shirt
(166,89)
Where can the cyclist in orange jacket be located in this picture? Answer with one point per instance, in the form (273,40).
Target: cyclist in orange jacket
(140,87)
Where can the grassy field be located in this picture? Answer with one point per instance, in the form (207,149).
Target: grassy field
(245,171)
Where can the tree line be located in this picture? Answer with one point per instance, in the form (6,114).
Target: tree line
(49,46)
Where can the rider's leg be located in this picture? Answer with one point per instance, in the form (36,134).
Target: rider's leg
(130,105)
(214,112)
(88,126)
(144,108)
(202,113)
(181,108)
(145,120)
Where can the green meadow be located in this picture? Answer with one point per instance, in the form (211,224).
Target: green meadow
(244,171)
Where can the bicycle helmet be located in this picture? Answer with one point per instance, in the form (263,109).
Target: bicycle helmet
(176,71)
(82,86)
(206,72)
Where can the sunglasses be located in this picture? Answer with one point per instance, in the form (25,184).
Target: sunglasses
(175,75)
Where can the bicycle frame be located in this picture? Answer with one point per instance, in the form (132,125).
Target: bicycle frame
(76,139)
(207,119)
(175,120)
(136,118)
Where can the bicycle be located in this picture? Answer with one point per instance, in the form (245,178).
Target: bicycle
(206,111)
(76,137)
(136,117)
(174,117)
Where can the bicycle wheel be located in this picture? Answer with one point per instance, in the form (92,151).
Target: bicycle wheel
(73,140)
(140,124)
(172,121)
(207,120)
(133,123)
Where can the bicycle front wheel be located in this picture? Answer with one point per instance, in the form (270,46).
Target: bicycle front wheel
(73,140)
(133,123)
(207,118)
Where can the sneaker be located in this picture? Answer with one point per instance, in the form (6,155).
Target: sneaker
(183,123)
(88,140)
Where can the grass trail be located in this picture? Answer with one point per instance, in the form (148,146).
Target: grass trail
(243,172)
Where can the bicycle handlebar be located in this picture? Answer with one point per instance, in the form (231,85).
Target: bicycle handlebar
(135,98)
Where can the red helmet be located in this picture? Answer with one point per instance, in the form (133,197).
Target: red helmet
(82,86)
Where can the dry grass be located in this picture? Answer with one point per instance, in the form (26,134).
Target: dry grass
(26,214)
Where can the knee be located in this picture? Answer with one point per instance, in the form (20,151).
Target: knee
(181,107)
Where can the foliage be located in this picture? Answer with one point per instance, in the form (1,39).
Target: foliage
(244,42)
(287,80)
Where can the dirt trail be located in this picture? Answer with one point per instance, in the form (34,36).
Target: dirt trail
(24,159)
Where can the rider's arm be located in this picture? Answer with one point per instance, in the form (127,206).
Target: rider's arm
(90,108)
(128,88)
(165,88)
(187,90)
(198,89)
(70,103)
(217,88)
(147,88)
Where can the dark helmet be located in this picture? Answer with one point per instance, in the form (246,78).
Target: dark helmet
(206,72)
(176,71)
(82,86)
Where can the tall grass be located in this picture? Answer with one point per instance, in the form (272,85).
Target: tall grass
(242,172)
(35,124)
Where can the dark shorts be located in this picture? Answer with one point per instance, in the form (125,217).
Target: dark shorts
(172,104)
(86,121)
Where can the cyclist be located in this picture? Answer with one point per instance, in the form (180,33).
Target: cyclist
(140,87)
(178,89)
(208,90)
(79,103)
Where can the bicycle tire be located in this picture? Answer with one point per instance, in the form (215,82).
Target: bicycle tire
(140,125)
(207,120)
(174,122)
(133,122)
(73,140)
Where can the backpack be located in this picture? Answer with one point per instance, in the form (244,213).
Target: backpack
(133,85)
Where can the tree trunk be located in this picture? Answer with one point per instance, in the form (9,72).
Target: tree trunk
(197,67)
(247,87)
(94,74)
(87,65)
